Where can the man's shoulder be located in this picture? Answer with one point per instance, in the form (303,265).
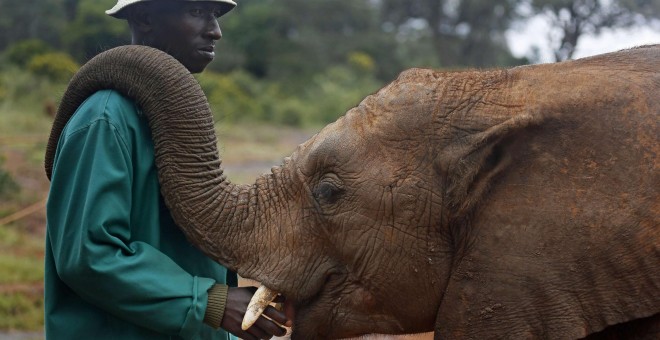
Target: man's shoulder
(107,106)
(109,96)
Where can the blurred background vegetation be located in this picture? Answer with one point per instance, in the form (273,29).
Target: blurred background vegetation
(292,64)
(278,57)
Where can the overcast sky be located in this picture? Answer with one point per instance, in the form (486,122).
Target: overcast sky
(534,33)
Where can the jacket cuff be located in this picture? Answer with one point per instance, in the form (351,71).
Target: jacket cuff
(215,307)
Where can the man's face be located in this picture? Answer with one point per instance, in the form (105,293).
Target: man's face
(187,30)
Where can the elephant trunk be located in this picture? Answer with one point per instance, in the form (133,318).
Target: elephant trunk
(189,168)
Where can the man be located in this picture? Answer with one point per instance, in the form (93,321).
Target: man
(117,267)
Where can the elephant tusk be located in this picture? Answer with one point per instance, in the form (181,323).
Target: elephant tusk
(260,300)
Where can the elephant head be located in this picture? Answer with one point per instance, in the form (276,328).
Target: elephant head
(519,203)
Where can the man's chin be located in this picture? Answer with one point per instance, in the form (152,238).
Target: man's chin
(197,66)
(197,69)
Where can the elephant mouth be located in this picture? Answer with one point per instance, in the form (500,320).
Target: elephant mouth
(320,316)
(302,328)
(263,297)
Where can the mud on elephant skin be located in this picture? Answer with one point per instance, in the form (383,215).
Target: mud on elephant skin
(516,203)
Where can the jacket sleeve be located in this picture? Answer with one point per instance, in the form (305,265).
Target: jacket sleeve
(90,232)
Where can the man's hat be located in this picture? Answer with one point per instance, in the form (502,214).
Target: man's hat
(118,10)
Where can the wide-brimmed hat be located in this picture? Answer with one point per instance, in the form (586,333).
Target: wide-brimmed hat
(118,10)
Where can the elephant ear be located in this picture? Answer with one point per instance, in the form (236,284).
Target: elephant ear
(545,243)
(474,160)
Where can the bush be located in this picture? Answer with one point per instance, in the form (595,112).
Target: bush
(361,62)
(8,187)
(21,311)
(229,100)
(4,92)
(24,91)
(56,66)
(337,90)
(240,97)
(290,112)
(22,52)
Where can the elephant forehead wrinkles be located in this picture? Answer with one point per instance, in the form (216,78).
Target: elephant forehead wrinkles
(336,145)
(398,116)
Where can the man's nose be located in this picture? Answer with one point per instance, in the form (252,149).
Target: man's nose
(213,30)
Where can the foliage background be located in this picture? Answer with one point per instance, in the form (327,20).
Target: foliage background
(278,56)
(283,69)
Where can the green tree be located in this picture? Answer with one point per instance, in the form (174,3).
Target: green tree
(253,34)
(81,28)
(23,51)
(70,9)
(35,19)
(92,31)
(571,19)
(463,32)
(8,186)
(56,66)
(294,40)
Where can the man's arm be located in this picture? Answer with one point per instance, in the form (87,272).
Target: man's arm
(90,233)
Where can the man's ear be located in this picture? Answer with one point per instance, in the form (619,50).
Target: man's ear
(140,19)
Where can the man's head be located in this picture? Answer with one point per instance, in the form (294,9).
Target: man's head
(186,29)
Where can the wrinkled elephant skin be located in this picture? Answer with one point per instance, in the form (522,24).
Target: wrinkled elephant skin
(519,203)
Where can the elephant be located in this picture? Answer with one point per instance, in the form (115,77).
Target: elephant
(499,203)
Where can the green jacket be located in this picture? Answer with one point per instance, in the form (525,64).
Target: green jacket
(117,267)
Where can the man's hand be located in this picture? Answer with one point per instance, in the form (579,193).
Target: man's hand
(237,302)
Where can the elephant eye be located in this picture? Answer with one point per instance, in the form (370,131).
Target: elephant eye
(328,190)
